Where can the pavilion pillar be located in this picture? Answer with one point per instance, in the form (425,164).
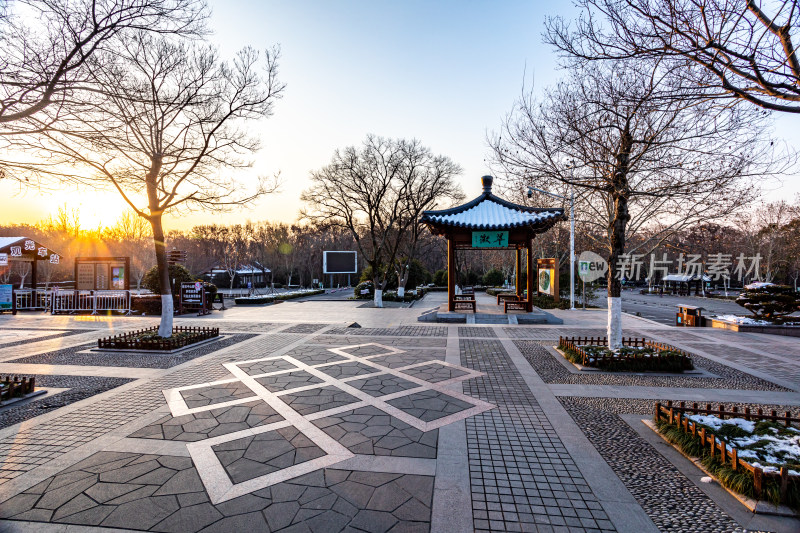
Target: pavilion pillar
(531,276)
(33,273)
(519,273)
(451,274)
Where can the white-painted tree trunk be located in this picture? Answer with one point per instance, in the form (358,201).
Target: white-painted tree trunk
(378,298)
(614,322)
(401,291)
(167,312)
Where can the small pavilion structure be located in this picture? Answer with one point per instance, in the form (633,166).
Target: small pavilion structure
(26,250)
(491,223)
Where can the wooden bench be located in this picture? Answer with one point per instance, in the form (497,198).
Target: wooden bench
(516,305)
(501,297)
(464,303)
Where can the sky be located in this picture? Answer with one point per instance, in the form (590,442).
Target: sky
(443,72)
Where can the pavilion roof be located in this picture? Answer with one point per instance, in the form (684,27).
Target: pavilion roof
(490,212)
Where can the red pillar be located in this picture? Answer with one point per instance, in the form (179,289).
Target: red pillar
(531,276)
(451,274)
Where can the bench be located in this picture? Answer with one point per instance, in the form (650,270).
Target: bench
(464,303)
(515,305)
(506,296)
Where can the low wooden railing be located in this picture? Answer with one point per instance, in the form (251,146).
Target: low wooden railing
(131,341)
(14,386)
(678,416)
(576,344)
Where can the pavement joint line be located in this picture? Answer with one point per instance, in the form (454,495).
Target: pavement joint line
(687,394)
(452,495)
(621,507)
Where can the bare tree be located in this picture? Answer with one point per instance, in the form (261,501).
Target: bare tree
(165,130)
(49,47)
(638,154)
(131,235)
(740,49)
(373,192)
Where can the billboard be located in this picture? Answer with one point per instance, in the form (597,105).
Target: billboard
(339,263)
(547,274)
(102,273)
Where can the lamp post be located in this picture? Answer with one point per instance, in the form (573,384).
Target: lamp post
(571,238)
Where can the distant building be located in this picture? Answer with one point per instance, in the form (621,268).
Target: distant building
(256,274)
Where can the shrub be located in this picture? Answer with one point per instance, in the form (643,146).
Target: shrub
(493,278)
(768,301)
(440,278)
(178,273)
(364,285)
(149,304)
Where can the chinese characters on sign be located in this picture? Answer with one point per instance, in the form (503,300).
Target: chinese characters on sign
(716,267)
(489,239)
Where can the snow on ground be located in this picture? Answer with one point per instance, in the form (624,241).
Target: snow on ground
(743,320)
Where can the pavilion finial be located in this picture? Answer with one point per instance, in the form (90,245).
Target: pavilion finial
(486,181)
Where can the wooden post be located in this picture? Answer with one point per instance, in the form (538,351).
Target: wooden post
(531,275)
(758,478)
(451,274)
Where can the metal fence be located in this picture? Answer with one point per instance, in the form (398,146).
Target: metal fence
(64,301)
(32,299)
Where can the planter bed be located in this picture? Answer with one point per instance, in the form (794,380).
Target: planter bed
(636,355)
(754,455)
(771,329)
(148,339)
(274,298)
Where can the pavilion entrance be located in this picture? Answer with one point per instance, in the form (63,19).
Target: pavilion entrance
(491,223)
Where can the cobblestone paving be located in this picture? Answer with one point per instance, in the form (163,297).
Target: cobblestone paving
(56,335)
(552,371)
(521,475)
(319,399)
(370,431)
(408,358)
(207,424)
(71,356)
(656,483)
(400,331)
(467,331)
(80,388)
(32,447)
(164,493)
(304,328)
(292,380)
(226,326)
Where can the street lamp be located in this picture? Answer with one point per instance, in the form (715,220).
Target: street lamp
(571,237)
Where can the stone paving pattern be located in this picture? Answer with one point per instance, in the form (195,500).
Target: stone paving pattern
(41,338)
(206,424)
(164,493)
(370,431)
(400,331)
(319,399)
(227,392)
(521,475)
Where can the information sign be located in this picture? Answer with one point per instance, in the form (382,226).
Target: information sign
(102,273)
(6,294)
(547,275)
(489,239)
(193,298)
(3,259)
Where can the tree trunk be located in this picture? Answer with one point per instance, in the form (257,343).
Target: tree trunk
(619,219)
(401,283)
(378,299)
(167,308)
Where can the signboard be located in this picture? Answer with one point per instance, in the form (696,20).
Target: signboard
(339,263)
(5,297)
(3,259)
(547,275)
(489,239)
(591,266)
(193,298)
(102,273)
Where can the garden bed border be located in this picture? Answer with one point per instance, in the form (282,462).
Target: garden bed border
(126,341)
(574,343)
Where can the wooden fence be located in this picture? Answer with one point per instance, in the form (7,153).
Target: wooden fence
(10,387)
(132,341)
(576,344)
(678,416)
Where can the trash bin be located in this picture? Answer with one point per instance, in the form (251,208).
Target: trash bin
(689,316)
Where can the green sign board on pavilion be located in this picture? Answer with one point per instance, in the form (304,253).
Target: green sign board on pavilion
(489,239)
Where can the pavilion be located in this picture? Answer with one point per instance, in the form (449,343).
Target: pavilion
(491,223)
(26,250)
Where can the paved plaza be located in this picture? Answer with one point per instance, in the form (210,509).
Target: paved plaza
(293,421)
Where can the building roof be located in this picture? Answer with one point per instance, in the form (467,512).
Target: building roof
(684,277)
(242,270)
(490,212)
(28,248)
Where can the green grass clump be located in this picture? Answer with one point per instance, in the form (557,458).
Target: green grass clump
(741,480)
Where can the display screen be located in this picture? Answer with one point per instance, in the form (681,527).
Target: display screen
(339,263)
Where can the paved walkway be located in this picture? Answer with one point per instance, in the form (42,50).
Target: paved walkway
(286,424)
